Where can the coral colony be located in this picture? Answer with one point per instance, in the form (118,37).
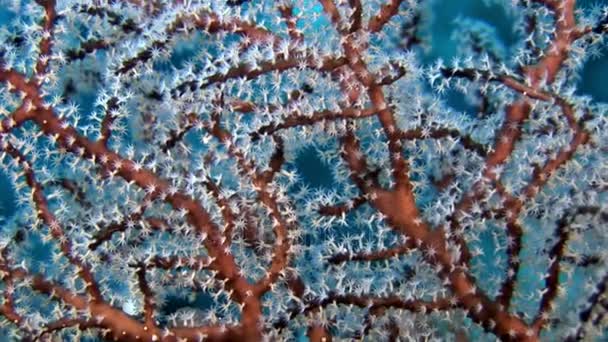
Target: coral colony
(159,155)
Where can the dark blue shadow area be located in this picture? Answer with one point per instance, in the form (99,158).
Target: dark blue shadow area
(589,3)
(5,15)
(593,75)
(459,103)
(202,301)
(314,172)
(593,78)
(7,198)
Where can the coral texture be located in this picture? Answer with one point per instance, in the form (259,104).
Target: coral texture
(261,170)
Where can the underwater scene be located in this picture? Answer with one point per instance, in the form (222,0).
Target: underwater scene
(303,170)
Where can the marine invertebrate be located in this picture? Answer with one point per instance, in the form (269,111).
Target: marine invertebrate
(154,148)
